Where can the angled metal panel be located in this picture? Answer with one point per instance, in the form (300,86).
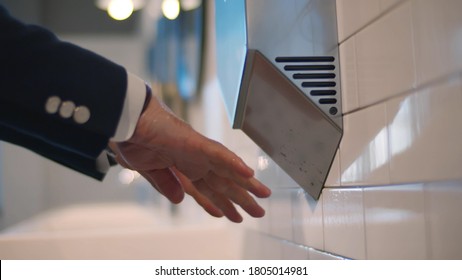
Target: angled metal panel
(288,99)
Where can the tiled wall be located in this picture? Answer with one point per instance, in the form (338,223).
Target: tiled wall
(395,188)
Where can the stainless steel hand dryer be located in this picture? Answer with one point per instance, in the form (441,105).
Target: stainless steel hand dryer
(278,68)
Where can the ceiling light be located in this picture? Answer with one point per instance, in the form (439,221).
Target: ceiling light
(120,9)
(171,8)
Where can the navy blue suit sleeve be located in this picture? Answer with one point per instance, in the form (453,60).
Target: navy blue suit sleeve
(35,65)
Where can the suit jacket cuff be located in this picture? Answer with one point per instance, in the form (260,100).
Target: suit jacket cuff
(132,108)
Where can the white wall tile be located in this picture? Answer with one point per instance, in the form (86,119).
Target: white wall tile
(352,15)
(438,38)
(426,134)
(263,224)
(291,251)
(251,245)
(308,223)
(349,75)
(280,213)
(344,222)
(334,178)
(395,222)
(443,208)
(364,148)
(385,57)
(271,248)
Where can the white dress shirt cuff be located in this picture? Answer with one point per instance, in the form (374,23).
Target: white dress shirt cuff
(132,108)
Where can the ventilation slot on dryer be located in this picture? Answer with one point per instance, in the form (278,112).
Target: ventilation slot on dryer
(316,75)
(291,59)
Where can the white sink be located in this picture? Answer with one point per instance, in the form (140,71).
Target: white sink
(119,231)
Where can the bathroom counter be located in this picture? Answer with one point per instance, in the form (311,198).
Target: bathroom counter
(118,231)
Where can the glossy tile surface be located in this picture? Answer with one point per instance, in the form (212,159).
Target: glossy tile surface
(349,75)
(438,38)
(280,213)
(344,222)
(264,224)
(426,133)
(444,224)
(291,251)
(385,57)
(270,248)
(395,222)
(334,177)
(355,14)
(251,246)
(308,220)
(364,148)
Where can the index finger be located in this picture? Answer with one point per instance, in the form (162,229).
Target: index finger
(227,164)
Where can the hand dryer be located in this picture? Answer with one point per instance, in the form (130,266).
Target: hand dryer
(278,69)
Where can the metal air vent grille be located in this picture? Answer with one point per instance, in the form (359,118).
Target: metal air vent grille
(316,76)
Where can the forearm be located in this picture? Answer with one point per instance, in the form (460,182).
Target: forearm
(35,65)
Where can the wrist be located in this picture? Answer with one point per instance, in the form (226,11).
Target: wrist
(135,98)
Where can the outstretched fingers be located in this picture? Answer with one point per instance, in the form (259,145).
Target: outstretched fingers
(201,199)
(217,195)
(247,183)
(235,193)
(221,201)
(228,165)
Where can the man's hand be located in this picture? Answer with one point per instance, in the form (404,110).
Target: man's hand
(176,160)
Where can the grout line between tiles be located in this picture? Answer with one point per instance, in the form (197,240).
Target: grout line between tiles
(293,195)
(413,41)
(340,173)
(460,79)
(428,237)
(329,254)
(374,20)
(364,224)
(291,242)
(435,82)
(356,82)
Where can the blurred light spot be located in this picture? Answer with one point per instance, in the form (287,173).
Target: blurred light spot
(171,8)
(126,176)
(120,9)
